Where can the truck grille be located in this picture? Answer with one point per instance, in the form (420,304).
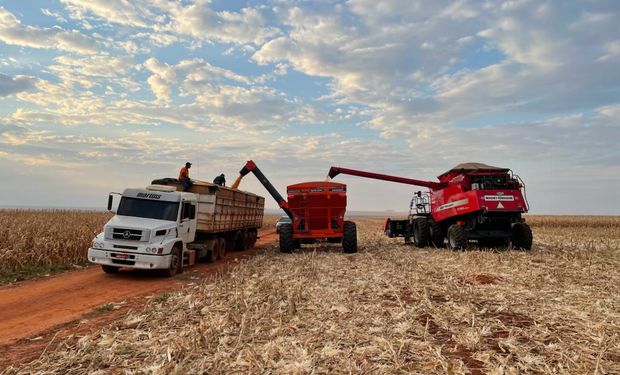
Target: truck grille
(127,234)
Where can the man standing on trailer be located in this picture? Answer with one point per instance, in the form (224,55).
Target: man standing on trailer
(220,180)
(184,177)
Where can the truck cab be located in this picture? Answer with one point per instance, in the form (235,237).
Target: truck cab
(150,230)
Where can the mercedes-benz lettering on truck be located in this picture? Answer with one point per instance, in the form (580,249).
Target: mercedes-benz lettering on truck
(163,228)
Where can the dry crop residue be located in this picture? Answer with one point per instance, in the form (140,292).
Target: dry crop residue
(390,308)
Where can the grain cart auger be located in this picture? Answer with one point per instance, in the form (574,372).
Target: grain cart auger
(316,210)
(472,201)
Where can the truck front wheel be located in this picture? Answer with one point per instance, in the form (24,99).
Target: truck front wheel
(109,269)
(175,263)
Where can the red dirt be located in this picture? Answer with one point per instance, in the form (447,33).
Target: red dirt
(33,313)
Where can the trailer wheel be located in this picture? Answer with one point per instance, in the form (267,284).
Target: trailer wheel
(436,234)
(109,269)
(239,242)
(254,237)
(176,262)
(349,237)
(522,236)
(457,237)
(221,245)
(421,233)
(287,243)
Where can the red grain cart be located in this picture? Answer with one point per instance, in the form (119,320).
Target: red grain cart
(317,211)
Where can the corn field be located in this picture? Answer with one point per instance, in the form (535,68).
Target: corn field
(389,309)
(45,238)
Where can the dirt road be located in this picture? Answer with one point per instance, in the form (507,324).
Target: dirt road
(34,310)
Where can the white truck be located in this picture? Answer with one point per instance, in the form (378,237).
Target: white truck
(163,228)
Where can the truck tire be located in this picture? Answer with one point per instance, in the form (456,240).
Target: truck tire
(221,253)
(248,240)
(287,244)
(240,241)
(436,234)
(176,262)
(457,237)
(109,269)
(254,237)
(349,237)
(421,233)
(522,237)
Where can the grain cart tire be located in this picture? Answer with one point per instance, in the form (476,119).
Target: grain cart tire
(457,237)
(421,233)
(221,246)
(349,237)
(176,262)
(436,234)
(522,236)
(109,269)
(287,243)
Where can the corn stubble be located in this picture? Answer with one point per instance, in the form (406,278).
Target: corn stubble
(390,308)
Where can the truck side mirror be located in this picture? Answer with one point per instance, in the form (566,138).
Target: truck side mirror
(111,202)
(192,212)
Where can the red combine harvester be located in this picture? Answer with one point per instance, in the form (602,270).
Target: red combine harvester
(472,201)
(316,210)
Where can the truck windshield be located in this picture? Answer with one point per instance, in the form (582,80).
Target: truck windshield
(146,208)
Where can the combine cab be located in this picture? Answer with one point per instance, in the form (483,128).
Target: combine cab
(316,209)
(472,201)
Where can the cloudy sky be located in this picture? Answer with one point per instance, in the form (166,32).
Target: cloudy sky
(99,95)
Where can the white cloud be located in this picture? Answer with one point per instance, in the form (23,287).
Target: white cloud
(13,32)
(199,21)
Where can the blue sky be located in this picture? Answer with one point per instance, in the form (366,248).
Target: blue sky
(99,95)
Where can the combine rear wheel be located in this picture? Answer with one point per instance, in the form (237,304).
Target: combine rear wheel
(287,243)
(109,269)
(421,233)
(349,237)
(522,236)
(457,237)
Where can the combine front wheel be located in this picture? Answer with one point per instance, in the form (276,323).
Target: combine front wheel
(457,237)
(436,233)
(349,237)
(421,234)
(521,236)
(287,244)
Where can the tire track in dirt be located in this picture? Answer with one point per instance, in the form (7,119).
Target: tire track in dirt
(34,312)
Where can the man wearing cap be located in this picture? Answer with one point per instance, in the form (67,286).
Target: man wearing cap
(184,177)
